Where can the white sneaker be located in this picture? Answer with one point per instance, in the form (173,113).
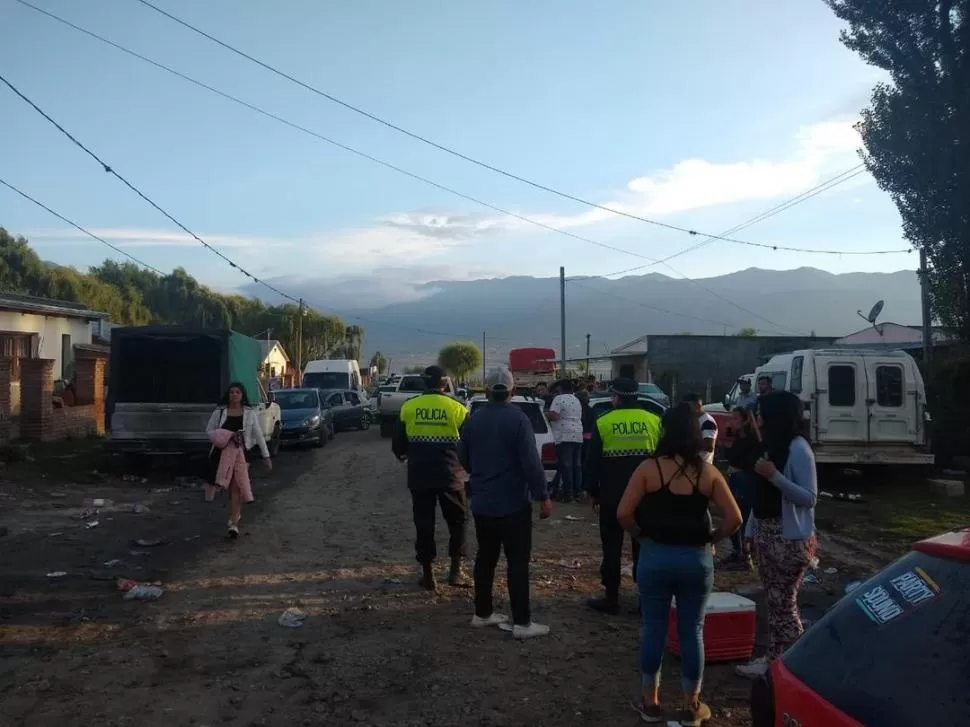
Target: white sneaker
(533,630)
(496,619)
(754,669)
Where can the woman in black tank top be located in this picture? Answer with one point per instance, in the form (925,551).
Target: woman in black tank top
(665,505)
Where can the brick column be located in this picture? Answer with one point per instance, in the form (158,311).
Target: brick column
(6,366)
(36,389)
(89,386)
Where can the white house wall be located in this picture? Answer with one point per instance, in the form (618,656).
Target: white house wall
(49,331)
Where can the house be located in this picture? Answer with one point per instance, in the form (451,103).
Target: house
(274,361)
(32,327)
(706,365)
(896,336)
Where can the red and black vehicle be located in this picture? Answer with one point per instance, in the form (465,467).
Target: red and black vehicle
(894,652)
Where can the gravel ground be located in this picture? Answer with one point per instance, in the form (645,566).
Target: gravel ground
(330,534)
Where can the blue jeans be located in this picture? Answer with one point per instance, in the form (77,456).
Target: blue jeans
(684,572)
(570,468)
(742,487)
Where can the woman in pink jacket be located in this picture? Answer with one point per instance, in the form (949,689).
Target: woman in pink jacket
(234,431)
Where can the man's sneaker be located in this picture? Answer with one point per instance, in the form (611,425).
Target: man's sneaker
(697,715)
(754,669)
(496,619)
(605,604)
(533,630)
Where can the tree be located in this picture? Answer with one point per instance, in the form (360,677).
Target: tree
(916,132)
(414,369)
(379,361)
(747,332)
(459,358)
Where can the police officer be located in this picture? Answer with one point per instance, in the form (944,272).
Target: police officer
(622,439)
(427,438)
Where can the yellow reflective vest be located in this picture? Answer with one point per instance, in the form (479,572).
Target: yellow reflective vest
(628,432)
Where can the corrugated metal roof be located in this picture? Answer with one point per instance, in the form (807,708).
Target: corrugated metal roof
(47,307)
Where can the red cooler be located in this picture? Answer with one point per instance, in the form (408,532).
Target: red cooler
(729,628)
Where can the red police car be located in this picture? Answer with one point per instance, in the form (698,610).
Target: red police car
(894,652)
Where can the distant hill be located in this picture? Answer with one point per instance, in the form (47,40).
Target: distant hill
(522,311)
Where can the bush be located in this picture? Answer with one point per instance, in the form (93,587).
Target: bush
(948,393)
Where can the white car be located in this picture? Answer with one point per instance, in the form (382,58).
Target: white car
(533,409)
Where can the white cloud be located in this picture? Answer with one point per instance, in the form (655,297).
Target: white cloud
(147,237)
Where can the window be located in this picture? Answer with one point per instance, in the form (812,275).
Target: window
(67,356)
(889,386)
(335,400)
(532,411)
(412,384)
(353,398)
(796,375)
(842,385)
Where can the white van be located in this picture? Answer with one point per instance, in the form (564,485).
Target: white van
(864,406)
(343,374)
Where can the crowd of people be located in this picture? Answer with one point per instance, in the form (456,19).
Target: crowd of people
(648,479)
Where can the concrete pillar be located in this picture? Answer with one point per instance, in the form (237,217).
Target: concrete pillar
(36,389)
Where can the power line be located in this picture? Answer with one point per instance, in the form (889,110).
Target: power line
(395,167)
(828,184)
(76,226)
(460,155)
(107,168)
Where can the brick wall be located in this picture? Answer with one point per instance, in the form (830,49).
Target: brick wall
(40,421)
(36,389)
(75,422)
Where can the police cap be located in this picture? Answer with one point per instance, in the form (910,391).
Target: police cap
(623,386)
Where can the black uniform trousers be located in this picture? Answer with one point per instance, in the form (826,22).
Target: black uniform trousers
(454,509)
(611,536)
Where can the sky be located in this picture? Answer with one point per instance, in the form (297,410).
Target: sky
(700,115)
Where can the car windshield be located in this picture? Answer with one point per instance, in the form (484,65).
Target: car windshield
(296,399)
(532,410)
(327,380)
(902,633)
(650,389)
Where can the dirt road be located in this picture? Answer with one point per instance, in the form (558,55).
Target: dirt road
(331,534)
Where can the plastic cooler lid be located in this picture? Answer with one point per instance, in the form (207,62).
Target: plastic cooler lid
(724,602)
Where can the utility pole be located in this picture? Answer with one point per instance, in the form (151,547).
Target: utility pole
(587,354)
(299,344)
(925,301)
(562,318)
(483,358)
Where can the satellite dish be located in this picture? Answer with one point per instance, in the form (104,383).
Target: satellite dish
(873,315)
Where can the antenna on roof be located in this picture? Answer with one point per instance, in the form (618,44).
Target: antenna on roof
(873,315)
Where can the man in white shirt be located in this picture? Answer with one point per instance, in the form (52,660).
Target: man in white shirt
(708,427)
(566,415)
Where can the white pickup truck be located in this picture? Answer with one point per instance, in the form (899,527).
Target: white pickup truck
(389,402)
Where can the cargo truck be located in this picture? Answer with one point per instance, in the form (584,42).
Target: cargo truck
(165,381)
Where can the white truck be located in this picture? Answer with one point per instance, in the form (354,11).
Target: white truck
(390,402)
(864,407)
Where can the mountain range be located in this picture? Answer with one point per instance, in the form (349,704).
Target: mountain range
(525,311)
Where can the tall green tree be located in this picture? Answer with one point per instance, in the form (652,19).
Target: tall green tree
(460,358)
(916,131)
(379,361)
(747,332)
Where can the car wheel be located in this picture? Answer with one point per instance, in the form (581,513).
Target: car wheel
(364,422)
(331,431)
(275,440)
(323,438)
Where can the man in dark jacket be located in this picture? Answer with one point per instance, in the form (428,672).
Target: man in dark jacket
(427,438)
(622,439)
(498,449)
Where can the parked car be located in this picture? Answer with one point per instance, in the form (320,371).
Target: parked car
(349,410)
(533,409)
(655,392)
(600,404)
(306,418)
(892,652)
(862,406)
(389,406)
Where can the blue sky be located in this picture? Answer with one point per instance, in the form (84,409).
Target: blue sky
(699,116)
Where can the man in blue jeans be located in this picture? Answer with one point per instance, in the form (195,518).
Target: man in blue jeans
(566,415)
